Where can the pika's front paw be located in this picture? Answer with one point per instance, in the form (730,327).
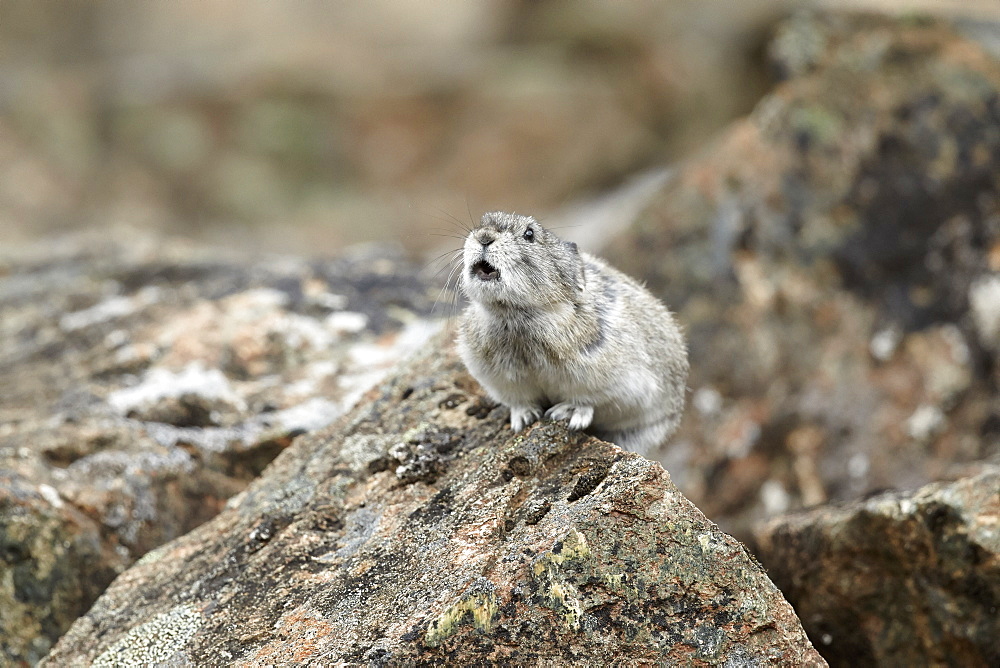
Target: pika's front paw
(579,417)
(522,416)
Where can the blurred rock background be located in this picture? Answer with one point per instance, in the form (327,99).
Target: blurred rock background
(309,125)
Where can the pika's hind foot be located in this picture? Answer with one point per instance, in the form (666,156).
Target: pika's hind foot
(522,416)
(579,417)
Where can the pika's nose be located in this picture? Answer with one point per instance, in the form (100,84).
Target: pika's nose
(485,237)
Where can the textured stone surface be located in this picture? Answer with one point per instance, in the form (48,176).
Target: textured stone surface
(143,383)
(833,257)
(899,579)
(419,529)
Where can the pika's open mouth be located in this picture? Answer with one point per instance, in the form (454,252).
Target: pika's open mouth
(485,271)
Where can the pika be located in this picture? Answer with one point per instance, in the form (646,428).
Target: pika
(552,330)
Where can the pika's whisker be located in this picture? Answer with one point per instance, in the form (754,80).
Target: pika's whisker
(448,289)
(456,223)
(446,256)
(447,235)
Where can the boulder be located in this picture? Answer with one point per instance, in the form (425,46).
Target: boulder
(835,258)
(145,382)
(419,530)
(899,579)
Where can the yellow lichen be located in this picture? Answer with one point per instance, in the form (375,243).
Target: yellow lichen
(567,602)
(479,603)
(562,594)
(614,580)
(574,547)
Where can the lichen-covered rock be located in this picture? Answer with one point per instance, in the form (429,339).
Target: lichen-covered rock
(834,259)
(53,564)
(419,530)
(143,383)
(899,579)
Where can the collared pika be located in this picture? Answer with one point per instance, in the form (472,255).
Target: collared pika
(550,329)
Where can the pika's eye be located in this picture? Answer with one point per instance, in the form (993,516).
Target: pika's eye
(529,234)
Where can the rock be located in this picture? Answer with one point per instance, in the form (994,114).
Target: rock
(418,530)
(146,382)
(833,257)
(899,579)
(53,564)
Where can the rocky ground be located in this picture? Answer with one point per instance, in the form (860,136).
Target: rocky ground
(144,383)
(419,530)
(835,258)
(901,578)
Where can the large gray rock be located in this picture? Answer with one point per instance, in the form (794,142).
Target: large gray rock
(420,530)
(144,382)
(835,258)
(900,579)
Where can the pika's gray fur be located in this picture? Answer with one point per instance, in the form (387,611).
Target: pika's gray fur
(552,330)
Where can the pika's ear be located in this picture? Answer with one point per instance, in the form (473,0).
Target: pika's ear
(571,246)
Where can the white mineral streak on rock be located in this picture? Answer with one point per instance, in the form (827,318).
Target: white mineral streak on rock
(161,384)
(310,415)
(925,423)
(109,309)
(984,298)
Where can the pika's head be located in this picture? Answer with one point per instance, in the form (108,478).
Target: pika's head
(511,260)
